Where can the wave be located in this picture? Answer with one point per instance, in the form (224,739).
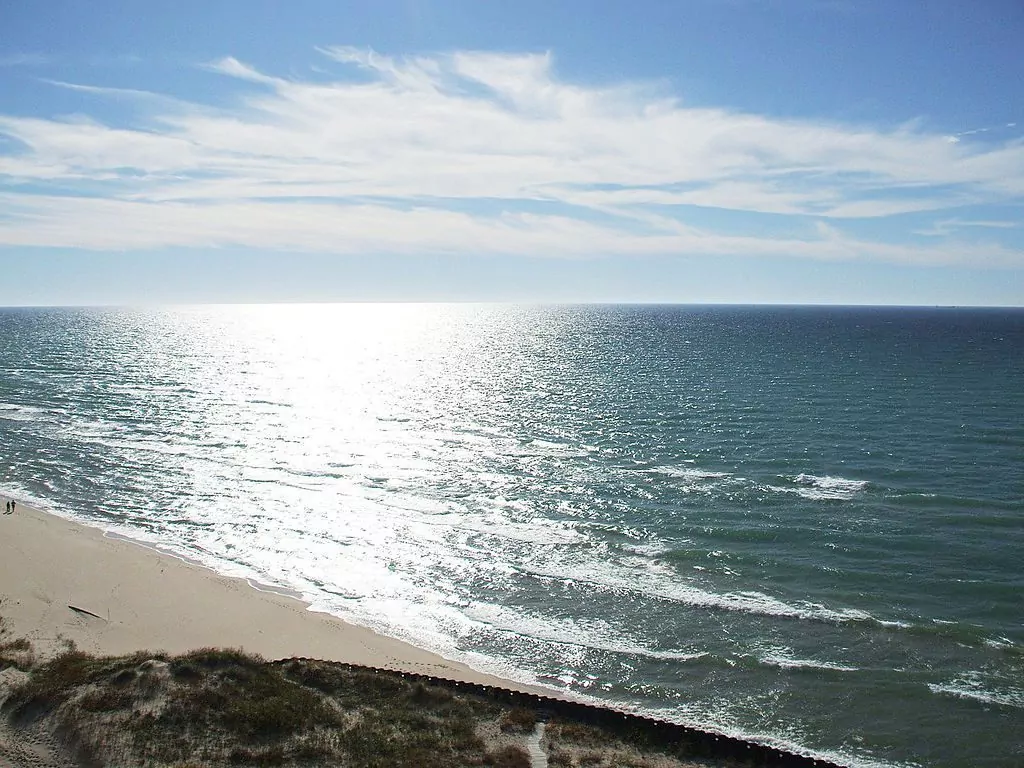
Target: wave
(971,688)
(649,549)
(783,659)
(590,634)
(687,473)
(1005,644)
(599,636)
(15,412)
(687,480)
(821,487)
(808,486)
(752,602)
(526,533)
(964,634)
(548,448)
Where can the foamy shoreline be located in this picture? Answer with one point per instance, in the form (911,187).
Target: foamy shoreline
(129,595)
(62,580)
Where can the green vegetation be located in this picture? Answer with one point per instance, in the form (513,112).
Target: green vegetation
(577,745)
(225,707)
(217,707)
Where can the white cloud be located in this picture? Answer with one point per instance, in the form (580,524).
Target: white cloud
(947,227)
(231,66)
(479,152)
(371,228)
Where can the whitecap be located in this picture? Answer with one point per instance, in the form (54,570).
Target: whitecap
(650,548)
(783,659)
(752,602)
(687,473)
(1002,644)
(822,487)
(970,688)
(587,634)
(14,412)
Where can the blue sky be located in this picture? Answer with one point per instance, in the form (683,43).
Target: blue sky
(745,151)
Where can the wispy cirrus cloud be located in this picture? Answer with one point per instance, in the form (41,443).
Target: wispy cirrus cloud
(483,152)
(949,226)
(234,68)
(975,131)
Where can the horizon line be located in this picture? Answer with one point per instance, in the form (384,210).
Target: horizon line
(469,302)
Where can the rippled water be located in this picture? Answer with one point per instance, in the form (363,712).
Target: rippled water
(801,525)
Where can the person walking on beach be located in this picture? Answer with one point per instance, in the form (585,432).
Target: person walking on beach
(11,505)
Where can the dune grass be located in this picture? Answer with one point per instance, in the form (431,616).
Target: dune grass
(14,651)
(225,707)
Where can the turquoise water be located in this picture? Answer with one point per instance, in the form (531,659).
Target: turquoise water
(800,525)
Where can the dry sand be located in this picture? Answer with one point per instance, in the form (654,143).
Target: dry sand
(131,597)
(61,581)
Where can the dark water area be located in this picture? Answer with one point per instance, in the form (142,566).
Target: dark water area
(802,525)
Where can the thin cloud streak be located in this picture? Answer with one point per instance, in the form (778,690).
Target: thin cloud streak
(480,152)
(947,227)
(366,228)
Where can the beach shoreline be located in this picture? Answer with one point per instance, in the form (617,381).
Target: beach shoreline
(63,581)
(67,584)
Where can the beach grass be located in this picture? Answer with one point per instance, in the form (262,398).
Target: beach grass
(226,707)
(15,652)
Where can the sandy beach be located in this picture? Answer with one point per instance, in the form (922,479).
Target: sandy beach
(60,580)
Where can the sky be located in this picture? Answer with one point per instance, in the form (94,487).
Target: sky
(690,151)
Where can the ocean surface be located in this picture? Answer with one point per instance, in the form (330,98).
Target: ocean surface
(803,526)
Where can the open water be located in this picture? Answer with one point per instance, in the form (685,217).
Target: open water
(803,526)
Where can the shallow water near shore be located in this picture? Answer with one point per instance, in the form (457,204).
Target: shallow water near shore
(799,525)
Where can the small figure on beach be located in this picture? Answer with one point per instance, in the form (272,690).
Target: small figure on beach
(11,510)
